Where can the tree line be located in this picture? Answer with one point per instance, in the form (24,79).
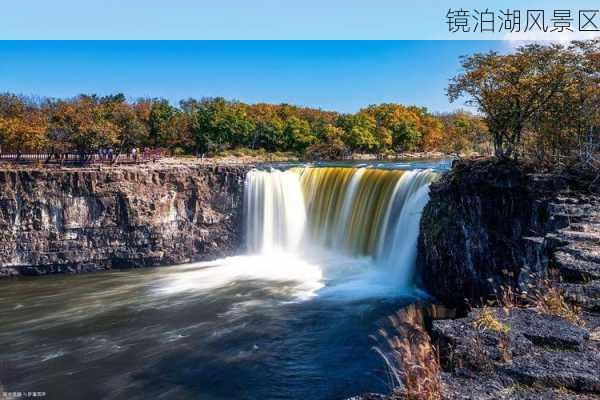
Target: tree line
(540,102)
(87,123)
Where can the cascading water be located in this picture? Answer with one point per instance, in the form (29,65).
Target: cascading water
(397,247)
(360,212)
(237,327)
(275,215)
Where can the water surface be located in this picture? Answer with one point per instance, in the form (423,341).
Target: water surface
(202,331)
(332,251)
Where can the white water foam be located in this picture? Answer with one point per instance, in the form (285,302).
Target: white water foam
(304,278)
(281,255)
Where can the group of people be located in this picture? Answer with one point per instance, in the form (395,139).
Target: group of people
(108,154)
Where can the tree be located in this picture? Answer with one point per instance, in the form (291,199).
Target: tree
(84,124)
(131,131)
(463,132)
(399,127)
(22,125)
(359,131)
(330,147)
(218,124)
(298,134)
(510,89)
(431,132)
(159,118)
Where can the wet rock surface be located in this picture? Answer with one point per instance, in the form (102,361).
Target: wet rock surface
(88,219)
(491,224)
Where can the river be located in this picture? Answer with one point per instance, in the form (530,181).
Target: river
(290,319)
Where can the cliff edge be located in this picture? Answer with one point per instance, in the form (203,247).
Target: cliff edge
(86,219)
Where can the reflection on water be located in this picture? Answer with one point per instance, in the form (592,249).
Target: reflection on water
(251,327)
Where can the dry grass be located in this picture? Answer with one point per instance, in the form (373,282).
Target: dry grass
(504,348)
(509,298)
(548,299)
(410,357)
(543,296)
(487,321)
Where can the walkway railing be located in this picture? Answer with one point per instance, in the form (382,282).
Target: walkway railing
(78,158)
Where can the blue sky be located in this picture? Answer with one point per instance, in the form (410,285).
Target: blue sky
(333,75)
(341,76)
(248,19)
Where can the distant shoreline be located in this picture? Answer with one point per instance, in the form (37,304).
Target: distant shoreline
(226,160)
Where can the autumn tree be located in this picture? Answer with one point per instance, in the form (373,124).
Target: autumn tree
(509,90)
(402,128)
(578,107)
(330,145)
(463,132)
(22,125)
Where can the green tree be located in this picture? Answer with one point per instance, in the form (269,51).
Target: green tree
(159,120)
(218,124)
(359,131)
(298,134)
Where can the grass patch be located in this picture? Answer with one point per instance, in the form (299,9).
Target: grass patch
(485,320)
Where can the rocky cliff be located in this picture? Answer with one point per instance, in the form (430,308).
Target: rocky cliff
(485,227)
(82,219)
(491,224)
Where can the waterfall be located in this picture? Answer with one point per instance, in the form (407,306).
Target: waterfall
(275,212)
(360,212)
(397,246)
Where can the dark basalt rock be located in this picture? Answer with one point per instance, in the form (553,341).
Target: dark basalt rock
(576,371)
(89,219)
(586,295)
(465,386)
(544,351)
(483,228)
(491,224)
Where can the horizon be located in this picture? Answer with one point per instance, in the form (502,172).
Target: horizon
(336,76)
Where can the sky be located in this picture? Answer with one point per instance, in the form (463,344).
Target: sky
(310,71)
(333,75)
(252,19)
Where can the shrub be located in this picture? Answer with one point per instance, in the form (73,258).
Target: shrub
(487,321)
(179,151)
(326,151)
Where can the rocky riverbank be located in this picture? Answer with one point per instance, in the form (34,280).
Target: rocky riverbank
(87,219)
(528,243)
(491,225)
